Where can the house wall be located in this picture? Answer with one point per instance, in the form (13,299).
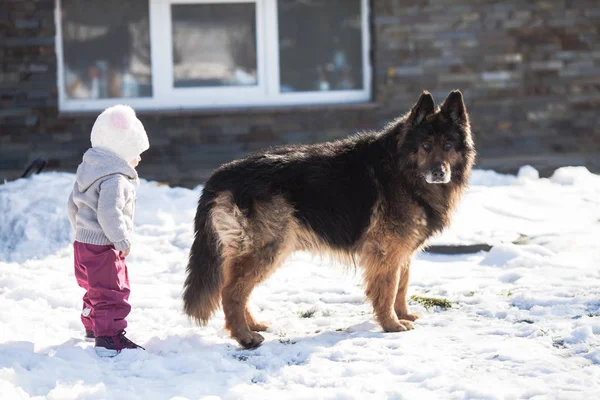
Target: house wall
(529,70)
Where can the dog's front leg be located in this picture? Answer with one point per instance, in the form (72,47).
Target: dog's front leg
(400,306)
(382,274)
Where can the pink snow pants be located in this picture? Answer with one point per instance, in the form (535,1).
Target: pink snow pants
(103,274)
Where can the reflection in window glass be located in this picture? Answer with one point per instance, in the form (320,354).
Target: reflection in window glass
(106,49)
(320,45)
(214,44)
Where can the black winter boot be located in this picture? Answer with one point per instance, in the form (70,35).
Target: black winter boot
(110,346)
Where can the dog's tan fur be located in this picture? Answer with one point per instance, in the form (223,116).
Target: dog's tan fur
(252,249)
(242,246)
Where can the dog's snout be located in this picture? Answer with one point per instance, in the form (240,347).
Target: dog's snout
(438,172)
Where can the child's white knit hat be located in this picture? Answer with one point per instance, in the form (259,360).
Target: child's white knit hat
(118,130)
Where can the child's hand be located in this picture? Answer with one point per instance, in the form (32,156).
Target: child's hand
(125,253)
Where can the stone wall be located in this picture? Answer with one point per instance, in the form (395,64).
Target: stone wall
(529,70)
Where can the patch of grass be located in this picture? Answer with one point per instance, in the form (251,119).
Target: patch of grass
(592,315)
(430,302)
(526,321)
(470,294)
(340,330)
(241,357)
(307,314)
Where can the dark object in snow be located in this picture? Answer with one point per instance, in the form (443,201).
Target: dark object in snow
(452,249)
(458,249)
(40,163)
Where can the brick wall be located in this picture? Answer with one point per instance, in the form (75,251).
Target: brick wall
(530,72)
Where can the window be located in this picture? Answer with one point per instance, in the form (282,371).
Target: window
(320,45)
(214,45)
(171,54)
(105,50)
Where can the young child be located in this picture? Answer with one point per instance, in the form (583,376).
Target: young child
(101,208)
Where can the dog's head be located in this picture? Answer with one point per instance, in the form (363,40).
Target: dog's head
(438,141)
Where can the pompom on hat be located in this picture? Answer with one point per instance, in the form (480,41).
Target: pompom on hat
(117,129)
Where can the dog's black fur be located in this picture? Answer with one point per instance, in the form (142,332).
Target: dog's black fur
(340,192)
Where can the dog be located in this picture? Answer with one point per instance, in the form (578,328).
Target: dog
(373,197)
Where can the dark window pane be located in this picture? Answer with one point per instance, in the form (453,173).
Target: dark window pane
(214,44)
(106,48)
(320,45)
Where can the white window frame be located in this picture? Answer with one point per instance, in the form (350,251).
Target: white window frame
(265,94)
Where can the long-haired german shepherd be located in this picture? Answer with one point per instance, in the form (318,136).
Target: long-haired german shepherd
(374,197)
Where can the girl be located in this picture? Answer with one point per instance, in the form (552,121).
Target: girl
(101,208)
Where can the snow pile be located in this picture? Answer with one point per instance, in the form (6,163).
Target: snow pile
(32,216)
(579,176)
(524,321)
(33,223)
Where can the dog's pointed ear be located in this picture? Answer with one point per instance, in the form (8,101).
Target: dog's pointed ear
(425,106)
(454,107)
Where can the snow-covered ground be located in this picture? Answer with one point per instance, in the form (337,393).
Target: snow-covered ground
(524,321)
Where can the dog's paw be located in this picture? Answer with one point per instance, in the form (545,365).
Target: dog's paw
(258,326)
(250,340)
(398,326)
(408,324)
(410,317)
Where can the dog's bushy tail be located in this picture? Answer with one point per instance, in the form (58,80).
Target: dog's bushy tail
(204,281)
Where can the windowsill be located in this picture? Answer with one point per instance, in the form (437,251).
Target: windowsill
(361,106)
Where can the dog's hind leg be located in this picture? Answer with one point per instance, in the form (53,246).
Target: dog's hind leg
(260,244)
(242,275)
(400,305)
(382,260)
(269,259)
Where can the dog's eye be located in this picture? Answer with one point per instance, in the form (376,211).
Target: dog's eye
(447,146)
(426,147)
